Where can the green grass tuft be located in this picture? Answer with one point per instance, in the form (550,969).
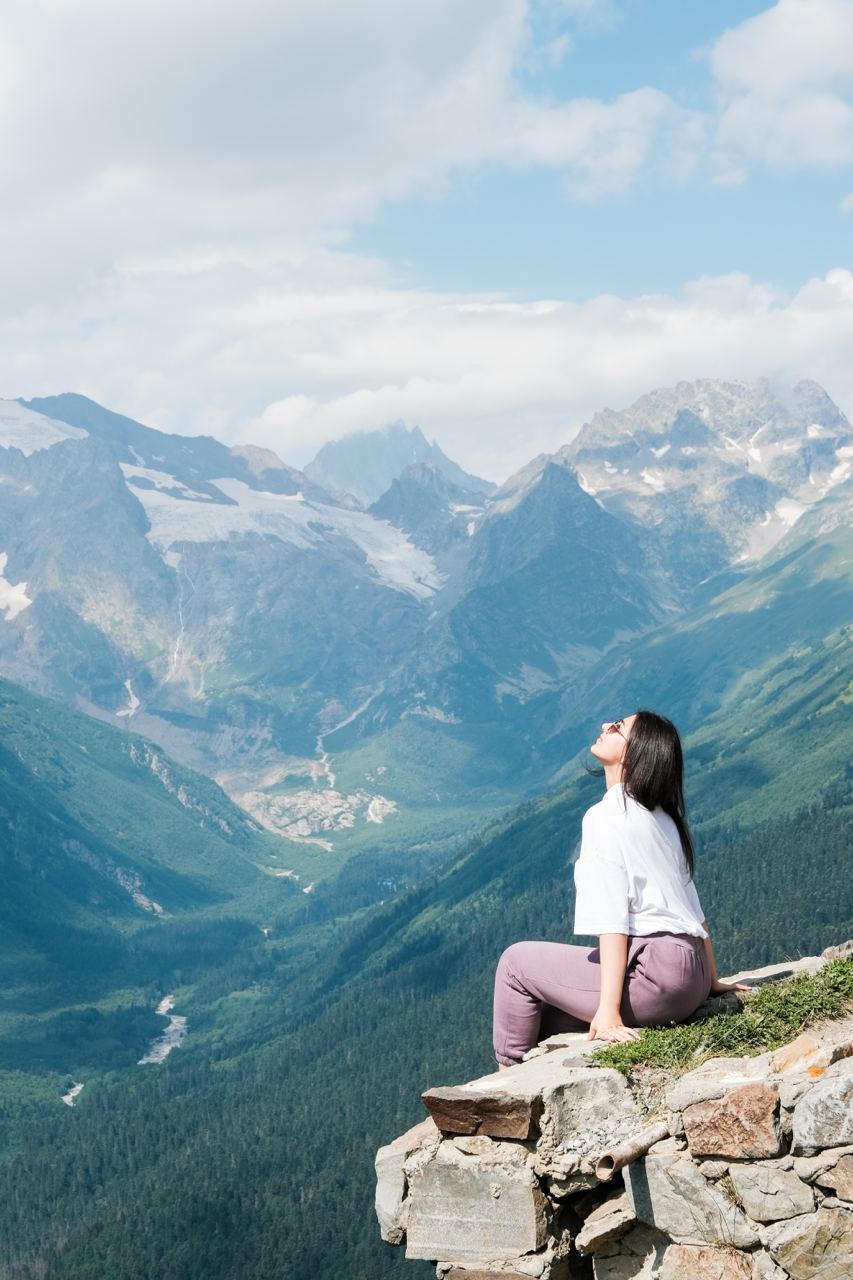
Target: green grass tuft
(772,1016)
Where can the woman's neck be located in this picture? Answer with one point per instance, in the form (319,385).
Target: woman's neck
(612,775)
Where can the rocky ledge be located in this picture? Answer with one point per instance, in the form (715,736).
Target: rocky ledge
(559,1169)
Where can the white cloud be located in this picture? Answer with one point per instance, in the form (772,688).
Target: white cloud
(179,179)
(784,82)
(131,127)
(291,352)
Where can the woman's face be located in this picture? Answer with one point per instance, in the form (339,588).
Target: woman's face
(609,746)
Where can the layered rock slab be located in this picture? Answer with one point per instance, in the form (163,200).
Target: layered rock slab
(769,1194)
(824,1115)
(550,1097)
(666,1190)
(816,1246)
(701,1262)
(475,1208)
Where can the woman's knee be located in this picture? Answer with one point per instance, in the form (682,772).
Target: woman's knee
(512,960)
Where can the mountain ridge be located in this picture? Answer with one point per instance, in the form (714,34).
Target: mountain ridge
(249,623)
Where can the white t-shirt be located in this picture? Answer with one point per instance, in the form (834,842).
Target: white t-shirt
(631,874)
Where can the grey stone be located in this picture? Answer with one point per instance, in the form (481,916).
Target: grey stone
(839,952)
(640,1253)
(712,1169)
(776,972)
(815,1050)
(588,1109)
(794,1088)
(667,1191)
(510,1104)
(816,1246)
(675,1123)
(769,1194)
(391,1182)
(839,1178)
(764,1268)
(824,1117)
(714,1078)
(609,1221)
(704,1262)
(571,1184)
(475,1210)
(809,1167)
(573,1041)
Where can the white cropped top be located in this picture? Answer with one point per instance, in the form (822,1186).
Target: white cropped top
(631,874)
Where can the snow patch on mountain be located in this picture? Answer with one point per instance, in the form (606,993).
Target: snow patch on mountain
(775,525)
(737,462)
(176,515)
(160,480)
(13,596)
(21,428)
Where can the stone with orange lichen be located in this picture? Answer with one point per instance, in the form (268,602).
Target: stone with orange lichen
(742,1125)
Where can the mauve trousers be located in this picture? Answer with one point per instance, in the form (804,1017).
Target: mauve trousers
(545,987)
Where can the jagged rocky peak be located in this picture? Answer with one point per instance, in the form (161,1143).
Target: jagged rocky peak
(366,464)
(751,422)
(266,470)
(438,514)
(732,464)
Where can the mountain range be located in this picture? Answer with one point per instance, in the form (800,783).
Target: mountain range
(389,680)
(352,676)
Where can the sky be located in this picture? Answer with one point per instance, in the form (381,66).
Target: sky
(285,221)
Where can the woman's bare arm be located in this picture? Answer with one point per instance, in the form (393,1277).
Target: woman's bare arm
(607,1023)
(718,988)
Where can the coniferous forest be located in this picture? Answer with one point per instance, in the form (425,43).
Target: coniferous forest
(251,1155)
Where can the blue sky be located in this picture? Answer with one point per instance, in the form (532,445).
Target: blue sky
(522,233)
(282,224)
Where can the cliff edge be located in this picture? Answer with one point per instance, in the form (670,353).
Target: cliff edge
(562,1168)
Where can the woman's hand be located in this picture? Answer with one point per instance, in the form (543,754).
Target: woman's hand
(720,988)
(607,1024)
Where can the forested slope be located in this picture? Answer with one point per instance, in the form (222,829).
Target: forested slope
(251,1155)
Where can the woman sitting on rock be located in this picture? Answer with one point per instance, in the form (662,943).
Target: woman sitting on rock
(654,962)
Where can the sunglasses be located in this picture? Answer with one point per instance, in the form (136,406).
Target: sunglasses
(616,727)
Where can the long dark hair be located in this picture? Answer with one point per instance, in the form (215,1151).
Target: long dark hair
(653,773)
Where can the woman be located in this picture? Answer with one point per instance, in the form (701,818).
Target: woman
(634,888)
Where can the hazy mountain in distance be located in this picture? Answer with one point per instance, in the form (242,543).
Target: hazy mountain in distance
(366,464)
(771,644)
(551,580)
(215,599)
(338,669)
